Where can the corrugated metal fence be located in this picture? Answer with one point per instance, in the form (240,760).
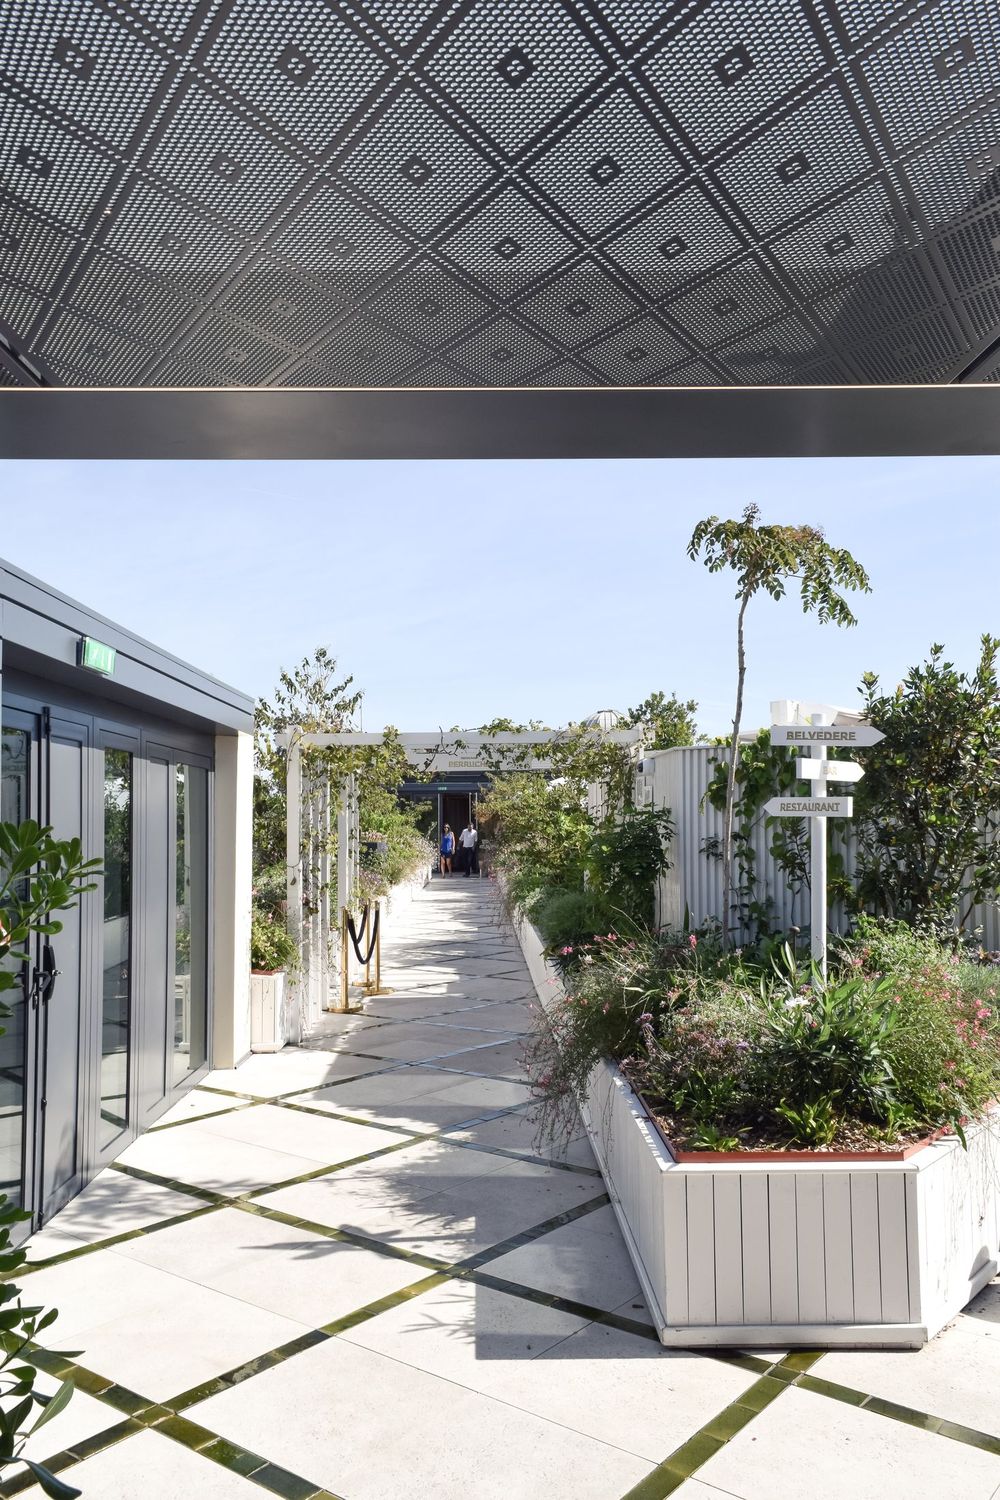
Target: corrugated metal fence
(692,888)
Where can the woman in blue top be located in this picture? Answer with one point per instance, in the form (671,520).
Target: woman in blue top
(447,850)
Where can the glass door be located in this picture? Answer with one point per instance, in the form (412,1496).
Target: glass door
(116,999)
(18,801)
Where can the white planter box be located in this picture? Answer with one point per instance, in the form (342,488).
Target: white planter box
(857,1254)
(267,1011)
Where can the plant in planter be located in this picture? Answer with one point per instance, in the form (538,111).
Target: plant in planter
(795,1166)
(272,954)
(39,875)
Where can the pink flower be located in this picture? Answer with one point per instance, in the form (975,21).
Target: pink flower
(692,941)
(567,949)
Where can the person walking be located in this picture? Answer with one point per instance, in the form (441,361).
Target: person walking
(468,840)
(447,850)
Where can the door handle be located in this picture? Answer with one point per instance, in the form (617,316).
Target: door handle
(45,977)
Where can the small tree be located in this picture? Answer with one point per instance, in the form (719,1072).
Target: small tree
(667,721)
(768,558)
(39,875)
(927,814)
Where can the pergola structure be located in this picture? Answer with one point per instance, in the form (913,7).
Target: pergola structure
(313,807)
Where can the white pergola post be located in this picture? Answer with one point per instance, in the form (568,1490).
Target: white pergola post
(324,894)
(293,880)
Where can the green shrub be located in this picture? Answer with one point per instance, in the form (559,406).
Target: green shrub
(628,854)
(903,1038)
(271,944)
(568,921)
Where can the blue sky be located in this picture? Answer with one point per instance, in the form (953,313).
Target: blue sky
(457,591)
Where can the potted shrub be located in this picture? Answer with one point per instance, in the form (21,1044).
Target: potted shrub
(272,954)
(793,1162)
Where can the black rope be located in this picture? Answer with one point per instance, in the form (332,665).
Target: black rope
(364,922)
(363,958)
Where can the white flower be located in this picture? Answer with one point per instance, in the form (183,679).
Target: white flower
(795,1004)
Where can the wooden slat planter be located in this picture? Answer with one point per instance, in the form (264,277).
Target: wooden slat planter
(868,1252)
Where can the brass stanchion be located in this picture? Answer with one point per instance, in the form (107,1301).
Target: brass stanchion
(344,1002)
(377,989)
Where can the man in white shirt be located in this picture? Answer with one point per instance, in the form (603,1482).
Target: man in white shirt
(468,840)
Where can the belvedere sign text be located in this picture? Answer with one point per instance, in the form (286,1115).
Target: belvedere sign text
(806,735)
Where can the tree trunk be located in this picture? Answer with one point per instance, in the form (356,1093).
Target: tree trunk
(734,745)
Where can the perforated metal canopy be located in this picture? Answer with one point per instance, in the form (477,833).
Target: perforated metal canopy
(499,192)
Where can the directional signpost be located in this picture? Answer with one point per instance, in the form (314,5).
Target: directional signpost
(818,807)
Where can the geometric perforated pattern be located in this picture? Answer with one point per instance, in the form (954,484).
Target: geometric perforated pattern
(468,192)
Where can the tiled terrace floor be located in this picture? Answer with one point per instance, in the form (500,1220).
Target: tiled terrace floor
(351,1270)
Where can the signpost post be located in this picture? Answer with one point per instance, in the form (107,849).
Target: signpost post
(818,806)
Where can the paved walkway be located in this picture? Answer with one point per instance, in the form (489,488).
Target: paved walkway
(350,1270)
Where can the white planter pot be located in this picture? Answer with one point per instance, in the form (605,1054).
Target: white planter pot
(267,1011)
(851,1254)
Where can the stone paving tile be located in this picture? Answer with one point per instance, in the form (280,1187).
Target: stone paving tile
(112,1204)
(207,1159)
(426,1042)
(268,1074)
(324,1142)
(445,1218)
(290,1271)
(371,1428)
(502,1059)
(585,1261)
(807,1444)
(357,1369)
(195,1106)
(954,1376)
(148,1329)
(519,1132)
(624,1391)
(152,1467)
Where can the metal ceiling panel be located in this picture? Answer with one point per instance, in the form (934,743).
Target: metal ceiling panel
(545,192)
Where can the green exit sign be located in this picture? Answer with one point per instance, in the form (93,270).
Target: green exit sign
(97,656)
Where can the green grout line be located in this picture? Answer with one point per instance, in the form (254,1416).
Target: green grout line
(214,1114)
(66,1457)
(209,1088)
(669,1475)
(957,1431)
(145,1416)
(528,1236)
(108,1243)
(342,1236)
(310,1340)
(156,1179)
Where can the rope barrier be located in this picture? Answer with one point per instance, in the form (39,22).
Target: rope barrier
(364,958)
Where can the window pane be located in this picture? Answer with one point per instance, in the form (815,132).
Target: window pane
(116,1004)
(191,940)
(15,750)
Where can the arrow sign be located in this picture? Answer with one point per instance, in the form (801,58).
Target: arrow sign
(829,770)
(810,807)
(806,735)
